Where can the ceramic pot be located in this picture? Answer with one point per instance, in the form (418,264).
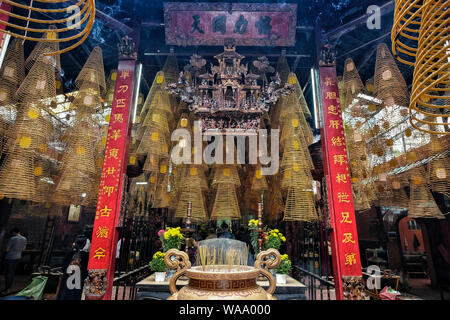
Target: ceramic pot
(160,276)
(281,278)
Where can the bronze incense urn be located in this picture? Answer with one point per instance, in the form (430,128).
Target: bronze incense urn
(222,282)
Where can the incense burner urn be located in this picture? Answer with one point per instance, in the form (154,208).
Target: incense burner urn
(222,282)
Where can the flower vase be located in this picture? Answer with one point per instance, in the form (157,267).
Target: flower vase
(281,278)
(160,276)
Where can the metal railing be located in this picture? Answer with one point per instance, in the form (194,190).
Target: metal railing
(318,287)
(124,286)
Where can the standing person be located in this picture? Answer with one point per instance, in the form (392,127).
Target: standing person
(14,248)
(73,285)
(226,232)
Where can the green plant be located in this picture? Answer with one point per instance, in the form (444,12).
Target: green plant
(285,265)
(157,264)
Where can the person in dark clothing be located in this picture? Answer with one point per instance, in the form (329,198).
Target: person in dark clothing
(193,247)
(243,236)
(226,232)
(14,248)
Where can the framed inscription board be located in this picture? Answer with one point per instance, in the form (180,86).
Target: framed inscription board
(248,24)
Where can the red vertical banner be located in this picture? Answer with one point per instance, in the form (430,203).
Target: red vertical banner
(104,236)
(342,212)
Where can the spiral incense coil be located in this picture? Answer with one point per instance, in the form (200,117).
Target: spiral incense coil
(93,71)
(421,201)
(430,94)
(12,72)
(226,205)
(151,163)
(300,206)
(259,182)
(438,175)
(170,69)
(226,174)
(82,19)
(110,87)
(190,191)
(361,199)
(390,87)
(296,177)
(352,84)
(292,80)
(405,30)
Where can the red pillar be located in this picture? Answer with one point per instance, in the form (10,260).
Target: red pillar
(105,236)
(344,237)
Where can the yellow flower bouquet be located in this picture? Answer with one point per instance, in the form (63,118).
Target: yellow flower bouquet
(172,238)
(274,239)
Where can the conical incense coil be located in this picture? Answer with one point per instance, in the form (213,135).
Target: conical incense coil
(158,121)
(43,181)
(157,98)
(352,84)
(259,182)
(360,199)
(17,173)
(39,84)
(390,87)
(162,194)
(170,69)
(430,93)
(296,177)
(291,129)
(384,193)
(110,87)
(438,175)
(300,206)
(296,155)
(421,202)
(153,142)
(93,71)
(292,80)
(405,29)
(291,113)
(151,163)
(195,196)
(399,198)
(225,204)
(44,48)
(226,174)
(87,99)
(12,72)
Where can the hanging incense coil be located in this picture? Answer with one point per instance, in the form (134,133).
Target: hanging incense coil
(17,172)
(170,69)
(83,14)
(352,84)
(191,192)
(292,80)
(43,181)
(399,198)
(430,94)
(300,206)
(296,155)
(283,69)
(292,114)
(78,168)
(46,48)
(259,182)
(12,72)
(151,163)
(93,71)
(390,87)
(360,197)
(296,177)
(405,30)
(226,174)
(110,87)
(421,202)
(226,205)
(162,195)
(438,174)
